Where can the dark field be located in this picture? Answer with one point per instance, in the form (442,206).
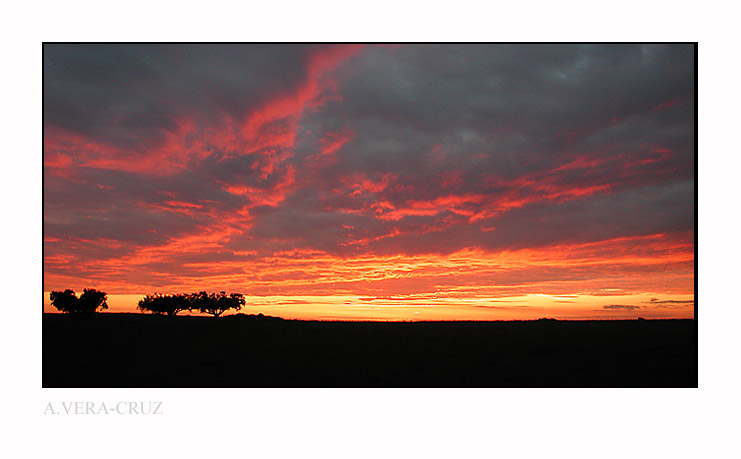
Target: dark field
(137,350)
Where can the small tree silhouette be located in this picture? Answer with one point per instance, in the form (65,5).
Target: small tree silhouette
(88,303)
(216,304)
(165,304)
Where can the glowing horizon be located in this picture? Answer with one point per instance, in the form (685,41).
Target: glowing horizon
(525,307)
(414,182)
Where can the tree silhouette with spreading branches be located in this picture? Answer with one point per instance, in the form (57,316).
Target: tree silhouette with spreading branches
(89,301)
(216,304)
(165,304)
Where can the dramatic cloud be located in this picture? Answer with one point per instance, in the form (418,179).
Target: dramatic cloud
(394,172)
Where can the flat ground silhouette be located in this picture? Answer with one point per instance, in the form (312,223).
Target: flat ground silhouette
(138,350)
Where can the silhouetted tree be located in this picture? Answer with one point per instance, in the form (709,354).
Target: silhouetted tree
(88,303)
(165,304)
(216,304)
(92,299)
(65,301)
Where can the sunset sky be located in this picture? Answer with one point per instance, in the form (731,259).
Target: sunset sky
(409,182)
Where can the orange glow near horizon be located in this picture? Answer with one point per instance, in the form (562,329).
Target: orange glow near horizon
(525,307)
(606,280)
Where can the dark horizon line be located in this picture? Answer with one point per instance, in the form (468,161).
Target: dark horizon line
(540,319)
(367,42)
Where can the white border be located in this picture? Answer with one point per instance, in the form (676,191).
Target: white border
(376,423)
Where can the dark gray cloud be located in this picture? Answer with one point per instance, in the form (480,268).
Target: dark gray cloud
(496,121)
(132,95)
